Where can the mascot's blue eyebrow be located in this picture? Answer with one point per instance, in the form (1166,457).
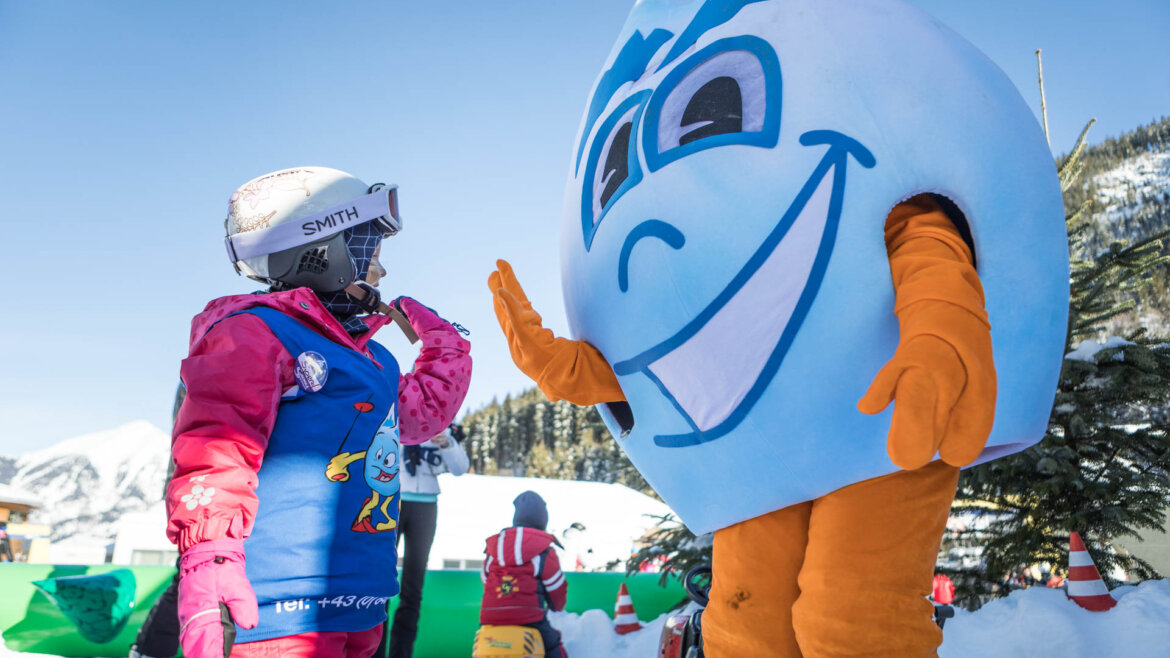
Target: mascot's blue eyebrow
(629,65)
(712,14)
(631,61)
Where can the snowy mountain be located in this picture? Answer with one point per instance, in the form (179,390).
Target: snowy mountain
(1127,180)
(7,468)
(87,483)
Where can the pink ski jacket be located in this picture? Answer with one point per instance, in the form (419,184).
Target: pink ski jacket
(221,434)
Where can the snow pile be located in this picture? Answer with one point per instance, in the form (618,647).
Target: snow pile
(591,635)
(1087,349)
(1039,622)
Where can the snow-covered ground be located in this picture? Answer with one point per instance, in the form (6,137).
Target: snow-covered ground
(1031,623)
(590,635)
(1039,622)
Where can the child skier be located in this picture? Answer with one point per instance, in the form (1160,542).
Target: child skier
(522,576)
(285,392)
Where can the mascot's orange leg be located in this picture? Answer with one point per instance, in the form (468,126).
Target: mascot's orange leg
(871,552)
(844,575)
(753,587)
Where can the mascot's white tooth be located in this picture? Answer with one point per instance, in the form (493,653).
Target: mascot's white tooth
(729,368)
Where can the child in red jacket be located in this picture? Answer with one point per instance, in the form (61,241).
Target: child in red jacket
(522,576)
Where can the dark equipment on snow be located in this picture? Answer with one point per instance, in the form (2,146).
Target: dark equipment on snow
(682,636)
(942,613)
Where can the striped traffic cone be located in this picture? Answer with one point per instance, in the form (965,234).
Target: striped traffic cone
(624,619)
(1085,586)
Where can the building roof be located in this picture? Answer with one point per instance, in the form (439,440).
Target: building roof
(12,495)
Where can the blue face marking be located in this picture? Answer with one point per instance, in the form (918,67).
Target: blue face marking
(381,464)
(629,65)
(759,128)
(613,168)
(711,15)
(613,164)
(651,228)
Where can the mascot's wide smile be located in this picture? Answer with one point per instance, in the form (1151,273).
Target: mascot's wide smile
(776,285)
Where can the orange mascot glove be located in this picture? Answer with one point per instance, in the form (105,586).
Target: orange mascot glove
(942,375)
(564,369)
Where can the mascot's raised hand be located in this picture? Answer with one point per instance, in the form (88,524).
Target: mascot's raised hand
(564,369)
(942,376)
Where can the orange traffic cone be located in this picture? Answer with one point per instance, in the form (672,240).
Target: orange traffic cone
(1085,586)
(624,619)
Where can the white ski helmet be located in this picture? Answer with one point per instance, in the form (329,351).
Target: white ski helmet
(287,227)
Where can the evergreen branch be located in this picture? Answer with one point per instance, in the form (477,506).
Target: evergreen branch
(1078,149)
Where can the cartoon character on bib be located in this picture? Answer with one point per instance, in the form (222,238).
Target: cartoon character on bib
(775,209)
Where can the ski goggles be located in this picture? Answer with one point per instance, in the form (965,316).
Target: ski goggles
(391,222)
(379,206)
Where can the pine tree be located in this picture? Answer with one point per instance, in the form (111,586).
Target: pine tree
(528,435)
(1103,468)
(673,548)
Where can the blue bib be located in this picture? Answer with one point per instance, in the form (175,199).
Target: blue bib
(321,556)
(722,242)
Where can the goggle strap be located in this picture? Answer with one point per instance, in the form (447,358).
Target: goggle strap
(361,291)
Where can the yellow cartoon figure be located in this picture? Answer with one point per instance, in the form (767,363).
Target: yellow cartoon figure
(380,470)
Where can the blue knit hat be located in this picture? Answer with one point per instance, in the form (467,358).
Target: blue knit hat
(531,512)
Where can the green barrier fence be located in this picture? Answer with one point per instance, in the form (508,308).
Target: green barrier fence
(29,621)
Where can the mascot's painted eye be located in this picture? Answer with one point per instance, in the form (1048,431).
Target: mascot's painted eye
(613,166)
(617,165)
(727,93)
(391,459)
(378,455)
(715,109)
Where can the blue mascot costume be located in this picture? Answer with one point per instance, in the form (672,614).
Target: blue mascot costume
(782,216)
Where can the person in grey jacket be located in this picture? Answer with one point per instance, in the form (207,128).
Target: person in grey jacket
(421,465)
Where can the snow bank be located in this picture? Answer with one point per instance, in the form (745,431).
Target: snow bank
(590,635)
(1038,622)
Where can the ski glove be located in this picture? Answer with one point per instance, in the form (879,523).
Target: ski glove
(564,369)
(430,394)
(213,592)
(942,376)
(422,318)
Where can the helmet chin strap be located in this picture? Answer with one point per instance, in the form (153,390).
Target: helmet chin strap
(370,300)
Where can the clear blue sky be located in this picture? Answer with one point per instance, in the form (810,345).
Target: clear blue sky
(125,126)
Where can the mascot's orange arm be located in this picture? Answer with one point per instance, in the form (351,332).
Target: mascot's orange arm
(942,375)
(564,369)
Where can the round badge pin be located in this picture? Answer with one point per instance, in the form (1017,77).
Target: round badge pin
(311,371)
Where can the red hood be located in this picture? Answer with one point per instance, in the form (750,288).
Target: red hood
(533,542)
(299,303)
